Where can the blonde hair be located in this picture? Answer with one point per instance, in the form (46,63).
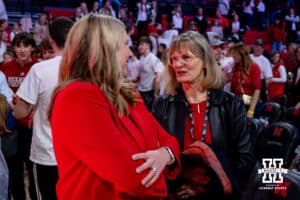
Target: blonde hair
(211,76)
(4,109)
(90,55)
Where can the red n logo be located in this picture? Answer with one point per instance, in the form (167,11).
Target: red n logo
(269,108)
(277,131)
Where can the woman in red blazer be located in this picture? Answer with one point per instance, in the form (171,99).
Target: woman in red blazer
(107,145)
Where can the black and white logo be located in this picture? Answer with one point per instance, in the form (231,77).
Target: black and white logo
(272,170)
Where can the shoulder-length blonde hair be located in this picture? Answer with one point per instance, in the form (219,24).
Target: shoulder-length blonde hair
(4,109)
(90,55)
(211,76)
(242,51)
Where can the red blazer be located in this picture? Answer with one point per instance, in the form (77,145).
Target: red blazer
(93,146)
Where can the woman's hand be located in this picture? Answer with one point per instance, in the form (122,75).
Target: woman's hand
(297,106)
(187,191)
(155,162)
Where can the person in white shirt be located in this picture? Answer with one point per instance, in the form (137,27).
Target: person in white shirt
(15,30)
(235,27)
(177,18)
(133,66)
(223,60)
(264,65)
(35,93)
(217,28)
(143,15)
(260,15)
(150,72)
(2,46)
(168,35)
(3,14)
(224,7)
(248,12)
(5,89)
(292,20)
(107,9)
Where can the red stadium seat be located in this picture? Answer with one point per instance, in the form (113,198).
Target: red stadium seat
(59,12)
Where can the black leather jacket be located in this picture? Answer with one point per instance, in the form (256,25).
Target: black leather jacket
(228,125)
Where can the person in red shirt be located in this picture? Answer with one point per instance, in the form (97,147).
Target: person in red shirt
(6,31)
(276,87)
(204,119)
(278,34)
(107,145)
(15,71)
(245,78)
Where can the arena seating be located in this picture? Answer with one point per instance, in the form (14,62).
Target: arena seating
(59,12)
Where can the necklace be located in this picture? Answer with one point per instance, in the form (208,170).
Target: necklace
(205,121)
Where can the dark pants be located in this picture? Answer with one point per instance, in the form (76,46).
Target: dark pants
(16,167)
(263,91)
(47,177)
(148,98)
(142,28)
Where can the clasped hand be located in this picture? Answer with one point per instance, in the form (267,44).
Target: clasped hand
(155,162)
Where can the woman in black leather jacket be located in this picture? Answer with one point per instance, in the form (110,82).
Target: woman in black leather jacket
(209,123)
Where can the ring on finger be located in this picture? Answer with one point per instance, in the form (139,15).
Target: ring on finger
(154,169)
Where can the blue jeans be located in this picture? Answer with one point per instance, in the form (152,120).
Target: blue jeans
(276,46)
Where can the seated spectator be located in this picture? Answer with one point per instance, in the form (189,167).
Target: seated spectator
(236,27)
(224,22)
(217,28)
